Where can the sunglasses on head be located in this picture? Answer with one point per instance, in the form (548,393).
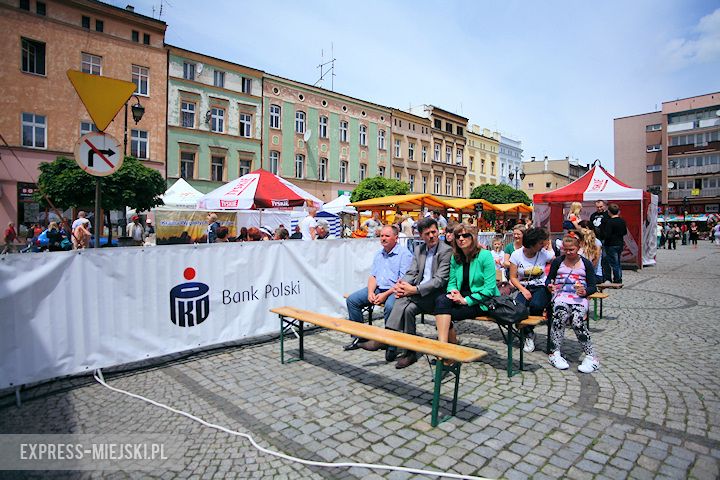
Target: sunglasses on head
(465,235)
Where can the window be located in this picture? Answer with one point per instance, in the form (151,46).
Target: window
(188,71)
(381,171)
(458,156)
(323,127)
(41,9)
(653,128)
(322,169)
(91,64)
(274,162)
(245,166)
(87,127)
(448,186)
(299,122)
(397,148)
(437,152)
(531,185)
(424,184)
(363,135)
(653,168)
(217,165)
(424,154)
(411,151)
(246,85)
(343,171)
(397,175)
(653,148)
(437,185)
(363,171)
(459,130)
(438,124)
(99,25)
(448,127)
(85,22)
(219,79)
(141,79)
(448,154)
(548,184)
(459,188)
(482,165)
(274,116)
(492,168)
(217,120)
(412,182)
(245,124)
(187,165)
(472,163)
(135,36)
(25,5)
(139,144)
(299,166)
(381,139)
(34,130)
(33,56)
(343,131)
(146,39)
(187,113)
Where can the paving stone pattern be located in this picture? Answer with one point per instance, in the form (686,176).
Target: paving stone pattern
(651,411)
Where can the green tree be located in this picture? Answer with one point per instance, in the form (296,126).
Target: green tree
(134,185)
(377,187)
(500,194)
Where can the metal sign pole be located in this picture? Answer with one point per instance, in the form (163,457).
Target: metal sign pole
(97,212)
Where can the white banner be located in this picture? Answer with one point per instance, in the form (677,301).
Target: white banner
(72,312)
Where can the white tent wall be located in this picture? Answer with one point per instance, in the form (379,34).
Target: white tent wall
(72,312)
(650,232)
(263,218)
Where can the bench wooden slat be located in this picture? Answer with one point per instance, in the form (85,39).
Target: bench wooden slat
(600,295)
(528,322)
(400,340)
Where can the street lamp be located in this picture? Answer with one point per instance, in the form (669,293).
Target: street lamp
(137,113)
(516,176)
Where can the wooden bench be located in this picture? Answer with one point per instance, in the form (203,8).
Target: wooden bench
(595,297)
(295,317)
(368,309)
(509,333)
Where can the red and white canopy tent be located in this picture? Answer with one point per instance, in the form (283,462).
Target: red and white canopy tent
(257,190)
(637,207)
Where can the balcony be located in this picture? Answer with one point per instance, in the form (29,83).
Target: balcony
(704,193)
(398,162)
(687,171)
(691,148)
(679,127)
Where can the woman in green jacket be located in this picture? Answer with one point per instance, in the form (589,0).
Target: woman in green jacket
(472,281)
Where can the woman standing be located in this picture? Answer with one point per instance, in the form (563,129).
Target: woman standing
(471,283)
(571,280)
(527,274)
(694,235)
(591,248)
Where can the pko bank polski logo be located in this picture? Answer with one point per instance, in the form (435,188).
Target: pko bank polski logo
(189,302)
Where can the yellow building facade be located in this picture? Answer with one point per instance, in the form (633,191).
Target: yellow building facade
(481,157)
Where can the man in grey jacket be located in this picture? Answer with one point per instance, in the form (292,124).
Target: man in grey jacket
(417,290)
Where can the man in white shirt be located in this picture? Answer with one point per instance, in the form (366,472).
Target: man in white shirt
(308,225)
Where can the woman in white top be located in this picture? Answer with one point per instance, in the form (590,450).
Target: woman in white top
(527,274)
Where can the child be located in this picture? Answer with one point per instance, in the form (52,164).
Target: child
(498,255)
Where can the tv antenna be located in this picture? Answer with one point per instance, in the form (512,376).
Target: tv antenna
(330,69)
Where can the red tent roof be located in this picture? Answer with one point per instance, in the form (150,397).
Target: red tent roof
(596,184)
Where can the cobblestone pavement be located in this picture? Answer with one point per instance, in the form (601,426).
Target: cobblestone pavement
(651,411)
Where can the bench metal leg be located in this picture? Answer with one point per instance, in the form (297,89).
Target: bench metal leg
(440,369)
(291,324)
(595,309)
(509,334)
(601,308)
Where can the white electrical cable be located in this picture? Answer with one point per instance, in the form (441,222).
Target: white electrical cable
(99,378)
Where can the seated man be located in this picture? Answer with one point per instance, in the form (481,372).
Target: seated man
(417,290)
(389,265)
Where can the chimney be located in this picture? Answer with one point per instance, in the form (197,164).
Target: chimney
(130,8)
(532,159)
(545,167)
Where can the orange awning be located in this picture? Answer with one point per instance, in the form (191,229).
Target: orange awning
(403,203)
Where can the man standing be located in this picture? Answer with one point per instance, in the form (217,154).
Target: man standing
(9,238)
(614,240)
(598,220)
(212,228)
(441,221)
(308,225)
(416,292)
(372,225)
(389,265)
(136,231)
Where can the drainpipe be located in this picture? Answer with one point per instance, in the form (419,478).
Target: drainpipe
(262,119)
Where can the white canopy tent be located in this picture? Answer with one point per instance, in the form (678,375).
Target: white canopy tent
(340,205)
(181,195)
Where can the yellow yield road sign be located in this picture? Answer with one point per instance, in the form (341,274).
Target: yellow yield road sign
(103,97)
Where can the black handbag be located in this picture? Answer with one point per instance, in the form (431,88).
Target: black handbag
(505,310)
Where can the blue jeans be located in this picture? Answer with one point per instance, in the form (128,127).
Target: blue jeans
(359,300)
(613,254)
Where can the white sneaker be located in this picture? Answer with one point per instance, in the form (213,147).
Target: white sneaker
(529,345)
(557,361)
(589,364)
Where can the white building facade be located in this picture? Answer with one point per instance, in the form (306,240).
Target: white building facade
(510,160)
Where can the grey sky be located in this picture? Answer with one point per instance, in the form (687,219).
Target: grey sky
(553,74)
